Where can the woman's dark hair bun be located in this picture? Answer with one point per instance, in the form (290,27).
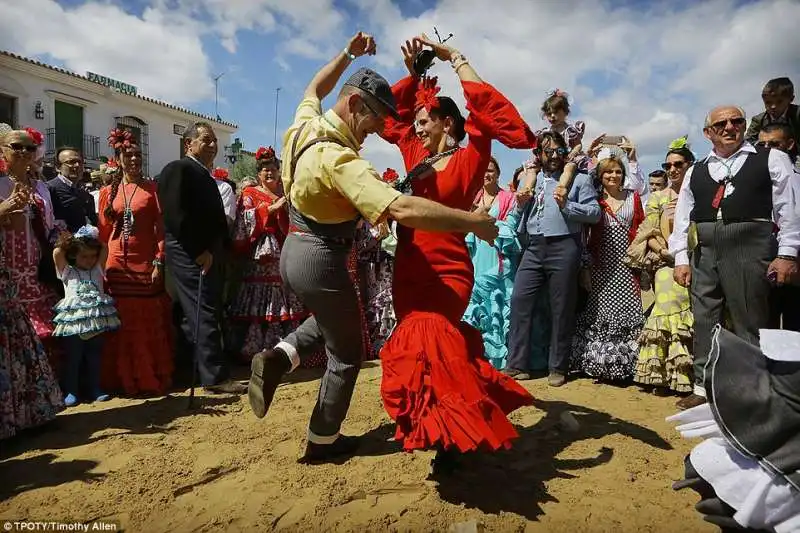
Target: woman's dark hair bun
(448,108)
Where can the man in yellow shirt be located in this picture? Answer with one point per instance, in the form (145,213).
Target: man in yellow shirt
(329,187)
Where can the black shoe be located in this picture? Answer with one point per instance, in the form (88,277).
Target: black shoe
(444,463)
(693,400)
(267,370)
(342,447)
(227,387)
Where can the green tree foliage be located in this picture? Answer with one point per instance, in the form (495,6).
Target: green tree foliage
(244,166)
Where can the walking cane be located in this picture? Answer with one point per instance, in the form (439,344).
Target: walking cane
(196,336)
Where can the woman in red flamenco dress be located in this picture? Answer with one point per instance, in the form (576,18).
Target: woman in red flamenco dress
(437,386)
(138,357)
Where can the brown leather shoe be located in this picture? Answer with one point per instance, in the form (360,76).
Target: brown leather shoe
(693,400)
(267,370)
(519,375)
(556,379)
(226,387)
(342,447)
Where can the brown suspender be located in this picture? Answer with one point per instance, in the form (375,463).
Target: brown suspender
(296,156)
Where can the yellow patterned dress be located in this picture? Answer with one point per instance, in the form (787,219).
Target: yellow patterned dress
(665,358)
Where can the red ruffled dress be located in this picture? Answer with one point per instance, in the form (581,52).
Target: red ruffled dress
(137,358)
(436,384)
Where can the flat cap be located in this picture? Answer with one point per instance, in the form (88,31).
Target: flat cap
(376,86)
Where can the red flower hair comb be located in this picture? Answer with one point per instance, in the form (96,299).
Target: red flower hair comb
(390,175)
(119,139)
(220,173)
(35,135)
(265,153)
(426,94)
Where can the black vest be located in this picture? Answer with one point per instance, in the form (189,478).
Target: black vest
(751,197)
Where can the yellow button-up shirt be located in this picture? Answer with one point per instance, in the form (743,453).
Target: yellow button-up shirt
(332,183)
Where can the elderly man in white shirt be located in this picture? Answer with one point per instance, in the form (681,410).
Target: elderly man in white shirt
(736,197)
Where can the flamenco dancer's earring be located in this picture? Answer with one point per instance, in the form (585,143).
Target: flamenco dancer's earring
(450,142)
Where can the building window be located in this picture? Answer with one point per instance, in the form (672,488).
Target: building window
(139,129)
(69,125)
(8,110)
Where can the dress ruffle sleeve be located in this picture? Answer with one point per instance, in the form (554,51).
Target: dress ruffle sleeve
(493,117)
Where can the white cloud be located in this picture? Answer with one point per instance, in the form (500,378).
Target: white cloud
(164,60)
(161,51)
(651,75)
(657,72)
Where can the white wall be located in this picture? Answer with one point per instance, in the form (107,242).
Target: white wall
(29,83)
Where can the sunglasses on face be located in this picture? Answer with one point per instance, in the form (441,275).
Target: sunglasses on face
(550,152)
(737,122)
(20,147)
(769,144)
(679,165)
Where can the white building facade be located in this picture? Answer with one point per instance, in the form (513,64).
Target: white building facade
(79,111)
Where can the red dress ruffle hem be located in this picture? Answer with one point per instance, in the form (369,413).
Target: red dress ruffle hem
(138,357)
(436,383)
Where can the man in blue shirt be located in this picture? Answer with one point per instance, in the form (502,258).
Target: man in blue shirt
(551,232)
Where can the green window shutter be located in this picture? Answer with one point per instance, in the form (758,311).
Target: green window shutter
(69,125)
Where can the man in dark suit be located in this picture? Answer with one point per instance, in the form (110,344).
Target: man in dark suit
(72,204)
(196,236)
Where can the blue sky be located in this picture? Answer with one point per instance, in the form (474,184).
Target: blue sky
(647,70)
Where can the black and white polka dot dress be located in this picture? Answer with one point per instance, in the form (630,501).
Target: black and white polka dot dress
(606,345)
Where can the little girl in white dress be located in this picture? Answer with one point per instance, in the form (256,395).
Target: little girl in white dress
(85,312)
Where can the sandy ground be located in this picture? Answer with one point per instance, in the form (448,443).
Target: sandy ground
(155,466)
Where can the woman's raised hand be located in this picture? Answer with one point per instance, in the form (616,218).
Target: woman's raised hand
(410,51)
(443,52)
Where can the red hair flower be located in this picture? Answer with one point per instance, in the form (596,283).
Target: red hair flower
(426,95)
(35,135)
(390,175)
(265,153)
(220,173)
(119,139)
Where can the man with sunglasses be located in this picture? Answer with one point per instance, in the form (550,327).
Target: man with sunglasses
(736,196)
(550,231)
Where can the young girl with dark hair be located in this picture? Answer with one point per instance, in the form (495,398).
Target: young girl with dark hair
(85,312)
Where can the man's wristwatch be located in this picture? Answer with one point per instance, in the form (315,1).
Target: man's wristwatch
(347,53)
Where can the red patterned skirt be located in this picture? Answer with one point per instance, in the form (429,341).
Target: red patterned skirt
(138,358)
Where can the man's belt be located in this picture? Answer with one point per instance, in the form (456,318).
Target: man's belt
(343,241)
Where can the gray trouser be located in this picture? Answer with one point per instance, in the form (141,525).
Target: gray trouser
(729,273)
(316,272)
(553,262)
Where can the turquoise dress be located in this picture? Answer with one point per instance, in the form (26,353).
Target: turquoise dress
(489,308)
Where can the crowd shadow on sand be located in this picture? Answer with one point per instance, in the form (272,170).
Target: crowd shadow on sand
(523,471)
(78,428)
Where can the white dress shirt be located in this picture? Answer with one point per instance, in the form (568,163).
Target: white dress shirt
(228,200)
(784,208)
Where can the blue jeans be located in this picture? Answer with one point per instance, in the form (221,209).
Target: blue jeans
(79,351)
